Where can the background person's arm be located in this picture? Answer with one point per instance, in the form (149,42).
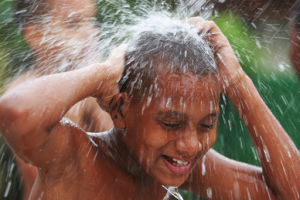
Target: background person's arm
(278,155)
(31,112)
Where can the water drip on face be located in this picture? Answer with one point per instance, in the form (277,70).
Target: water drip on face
(203,166)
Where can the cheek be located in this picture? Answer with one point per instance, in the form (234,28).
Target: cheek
(155,139)
(208,139)
(148,141)
(149,131)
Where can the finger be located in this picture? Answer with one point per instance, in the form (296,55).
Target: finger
(123,47)
(118,52)
(210,32)
(193,20)
(207,27)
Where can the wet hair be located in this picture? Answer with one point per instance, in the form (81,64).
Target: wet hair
(176,50)
(296,17)
(26,11)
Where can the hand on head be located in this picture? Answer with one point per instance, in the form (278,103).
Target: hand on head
(114,69)
(230,71)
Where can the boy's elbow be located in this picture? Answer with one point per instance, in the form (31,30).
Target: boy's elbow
(13,115)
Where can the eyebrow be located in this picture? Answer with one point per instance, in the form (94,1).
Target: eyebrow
(172,113)
(215,114)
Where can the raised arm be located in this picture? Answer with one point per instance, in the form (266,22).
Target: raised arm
(278,155)
(31,113)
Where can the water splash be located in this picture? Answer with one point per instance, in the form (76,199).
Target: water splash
(115,30)
(172,191)
(130,18)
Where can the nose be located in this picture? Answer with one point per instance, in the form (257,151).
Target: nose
(188,143)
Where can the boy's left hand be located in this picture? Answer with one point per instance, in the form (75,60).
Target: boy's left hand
(230,71)
(114,66)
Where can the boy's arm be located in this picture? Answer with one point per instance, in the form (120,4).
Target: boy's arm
(278,155)
(31,113)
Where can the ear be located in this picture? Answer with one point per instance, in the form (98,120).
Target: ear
(118,110)
(32,34)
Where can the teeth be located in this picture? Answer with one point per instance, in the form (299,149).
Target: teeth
(179,162)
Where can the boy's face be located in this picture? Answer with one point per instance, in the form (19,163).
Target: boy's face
(173,129)
(68,32)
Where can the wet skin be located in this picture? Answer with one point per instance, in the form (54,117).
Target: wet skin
(183,128)
(70,34)
(72,166)
(179,122)
(69,27)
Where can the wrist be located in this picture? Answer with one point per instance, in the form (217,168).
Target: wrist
(99,78)
(237,85)
(107,84)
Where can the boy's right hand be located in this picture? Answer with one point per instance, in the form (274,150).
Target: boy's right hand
(114,66)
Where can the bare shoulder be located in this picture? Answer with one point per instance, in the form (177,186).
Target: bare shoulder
(64,145)
(218,177)
(89,173)
(75,155)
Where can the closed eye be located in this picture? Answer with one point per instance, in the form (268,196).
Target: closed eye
(207,126)
(172,125)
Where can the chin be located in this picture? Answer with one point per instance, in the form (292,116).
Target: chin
(165,176)
(174,181)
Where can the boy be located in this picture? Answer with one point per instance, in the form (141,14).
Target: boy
(164,119)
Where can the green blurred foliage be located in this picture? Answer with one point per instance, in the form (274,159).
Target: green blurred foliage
(14,52)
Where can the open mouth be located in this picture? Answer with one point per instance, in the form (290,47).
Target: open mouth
(176,165)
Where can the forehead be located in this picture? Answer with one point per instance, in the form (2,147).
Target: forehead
(189,86)
(186,93)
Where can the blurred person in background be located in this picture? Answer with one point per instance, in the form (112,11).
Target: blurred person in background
(63,36)
(294,31)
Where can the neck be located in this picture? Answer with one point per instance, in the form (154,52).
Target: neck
(146,185)
(124,157)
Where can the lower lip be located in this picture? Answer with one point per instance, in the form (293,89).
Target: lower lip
(177,169)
